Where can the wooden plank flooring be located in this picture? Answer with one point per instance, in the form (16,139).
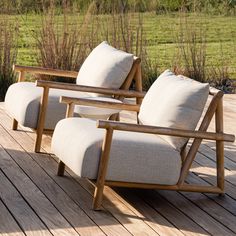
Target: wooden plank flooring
(34,201)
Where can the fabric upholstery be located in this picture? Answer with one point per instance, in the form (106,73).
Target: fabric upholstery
(175,102)
(105,67)
(95,112)
(22,102)
(134,157)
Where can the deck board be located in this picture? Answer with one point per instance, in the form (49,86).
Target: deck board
(34,201)
(8,224)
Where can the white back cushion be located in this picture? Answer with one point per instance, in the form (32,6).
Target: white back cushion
(174,102)
(105,67)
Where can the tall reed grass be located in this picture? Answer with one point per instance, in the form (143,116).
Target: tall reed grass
(191,55)
(8,53)
(64,44)
(59,43)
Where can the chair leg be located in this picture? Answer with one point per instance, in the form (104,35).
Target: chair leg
(61,169)
(220,164)
(118,117)
(14,124)
(41,121)
(98,196)
(106,146)
(220,146)
(38,140)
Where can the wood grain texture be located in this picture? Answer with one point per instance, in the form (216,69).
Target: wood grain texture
(133,224)
(126,211)
(71,211)
(106,147)
(111,202)
(209,204)
(89,89)
(230,179)
(41,119)
(26,217)
(151,217)
(181,221)
(184,187)
(28,189)
(8,225)
(43,71)
(54,190)
(99,104)
(104,124)
(196,214)
(220,146)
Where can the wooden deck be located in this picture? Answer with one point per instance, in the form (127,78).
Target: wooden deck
(34,201)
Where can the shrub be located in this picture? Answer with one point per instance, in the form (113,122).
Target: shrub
(65,38)
(8,53)
(219,78)
(218,75)
(123,30)
(59,43)
(191,58)
(65,44)
(150,71)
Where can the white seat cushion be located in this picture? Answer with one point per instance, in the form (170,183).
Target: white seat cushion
(105,67)
(22,102)
(175,102)
(134,157)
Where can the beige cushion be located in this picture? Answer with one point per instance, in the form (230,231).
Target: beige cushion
(176,102)
(134,157)
(105,67)
(22,102)
(95,112)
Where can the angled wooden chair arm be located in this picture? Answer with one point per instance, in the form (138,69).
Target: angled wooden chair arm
(105,124)
(89,89)
(43,71)
(100,104)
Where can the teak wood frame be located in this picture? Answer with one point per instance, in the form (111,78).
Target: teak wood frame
(134,75)
(215,108)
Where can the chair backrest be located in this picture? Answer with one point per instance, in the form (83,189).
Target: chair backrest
(108,67)
(175,102)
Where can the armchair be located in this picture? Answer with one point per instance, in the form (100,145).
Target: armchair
(151,154)
(104,71)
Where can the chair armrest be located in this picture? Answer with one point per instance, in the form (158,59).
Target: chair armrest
(100,104)
(89,89)
(45,71)
(164,131)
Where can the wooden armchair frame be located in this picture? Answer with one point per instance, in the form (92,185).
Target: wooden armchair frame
(134,75)
(215,108)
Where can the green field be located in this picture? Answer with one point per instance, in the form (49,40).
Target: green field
(160,32)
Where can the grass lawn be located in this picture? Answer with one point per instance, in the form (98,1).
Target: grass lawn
(161,32)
